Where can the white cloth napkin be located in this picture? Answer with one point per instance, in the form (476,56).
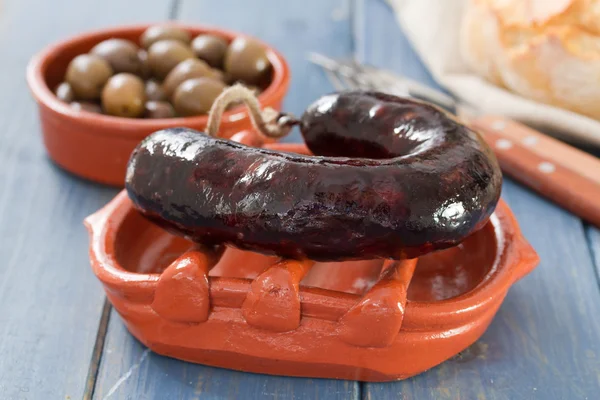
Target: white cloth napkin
(433,28)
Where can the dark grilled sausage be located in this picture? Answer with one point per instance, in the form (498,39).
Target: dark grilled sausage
(425,182)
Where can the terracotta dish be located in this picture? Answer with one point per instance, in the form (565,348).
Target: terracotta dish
(96,146)
(368,320)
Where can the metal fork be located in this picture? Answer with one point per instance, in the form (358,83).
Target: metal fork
(349,75)
(548,166)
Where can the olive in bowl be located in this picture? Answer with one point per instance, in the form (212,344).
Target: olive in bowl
(196,96)
(65,92)
(87,74)
(187,69)
(210,48)
(164,55)
(164,32)
(124,95)
(155,91)
(246,60)
(158,109)
(86,106)
(121,54)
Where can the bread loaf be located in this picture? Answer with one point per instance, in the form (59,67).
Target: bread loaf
(545,50)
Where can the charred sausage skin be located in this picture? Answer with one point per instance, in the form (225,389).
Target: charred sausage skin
(416,181)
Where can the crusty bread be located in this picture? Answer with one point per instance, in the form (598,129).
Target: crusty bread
(546,50)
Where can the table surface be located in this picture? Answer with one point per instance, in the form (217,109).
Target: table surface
(59,339)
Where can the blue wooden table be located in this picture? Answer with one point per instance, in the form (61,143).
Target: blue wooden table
(60,340)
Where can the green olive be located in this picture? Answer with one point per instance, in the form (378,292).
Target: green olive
(164,55)
(162,32)
(87,74)
(158,109)
(124,96)
(217,74)
(64,92)
(246,61)
(187,69)
(154,91)
(196,96)
(145,72)
(210,48)
(121,54)
(86,106)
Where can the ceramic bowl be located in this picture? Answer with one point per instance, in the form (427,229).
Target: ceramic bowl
(245,311)
(97,147)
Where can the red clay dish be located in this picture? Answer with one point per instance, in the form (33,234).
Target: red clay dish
(369,320)
(97,147)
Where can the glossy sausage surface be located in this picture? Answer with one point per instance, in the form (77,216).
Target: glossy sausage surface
(423,182)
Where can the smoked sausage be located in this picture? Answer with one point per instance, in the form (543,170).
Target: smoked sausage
(393,178)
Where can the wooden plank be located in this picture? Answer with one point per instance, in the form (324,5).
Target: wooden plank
(593,235)
(50,302)
(545,341)
(127,370)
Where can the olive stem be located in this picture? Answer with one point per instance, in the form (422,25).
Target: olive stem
(268,121)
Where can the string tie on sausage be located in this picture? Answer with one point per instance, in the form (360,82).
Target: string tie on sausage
(267,121)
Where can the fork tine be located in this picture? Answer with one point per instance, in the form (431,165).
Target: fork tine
(334,80)
(323,61)
(366,81)
(370,77)
(340,73)
(414,88)
(353,80)
(373,78)
(347,74)
(384,83)
(341,80)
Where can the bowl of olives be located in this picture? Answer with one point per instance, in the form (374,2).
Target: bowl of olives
(100,93)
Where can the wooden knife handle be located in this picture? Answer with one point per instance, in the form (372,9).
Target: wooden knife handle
(566,175)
